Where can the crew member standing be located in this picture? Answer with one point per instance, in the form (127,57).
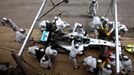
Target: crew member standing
(93,8)
(73,53)
(127,63)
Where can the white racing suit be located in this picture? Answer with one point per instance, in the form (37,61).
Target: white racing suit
(95,25)
(106,71)
(72,55)
(61,25)
(80,31)
(93,8)
(122,29)
(51,52)
(127,64)
(32,51)
(113,64)
(90,62)
(20,37)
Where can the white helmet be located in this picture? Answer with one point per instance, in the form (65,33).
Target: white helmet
(22,30)
(76,45)
(108,66)
(78,25)
(106,19)
(125,29)
(42,50)
(43,59)
(55,17)
(102,18)
(37,49)
(47,21)
(99,60)
(110,23)
(93,0)
(125,57)
(5,19)
(113,57)
(43,23)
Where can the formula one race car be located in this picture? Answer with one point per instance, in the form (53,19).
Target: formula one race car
(85,41)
